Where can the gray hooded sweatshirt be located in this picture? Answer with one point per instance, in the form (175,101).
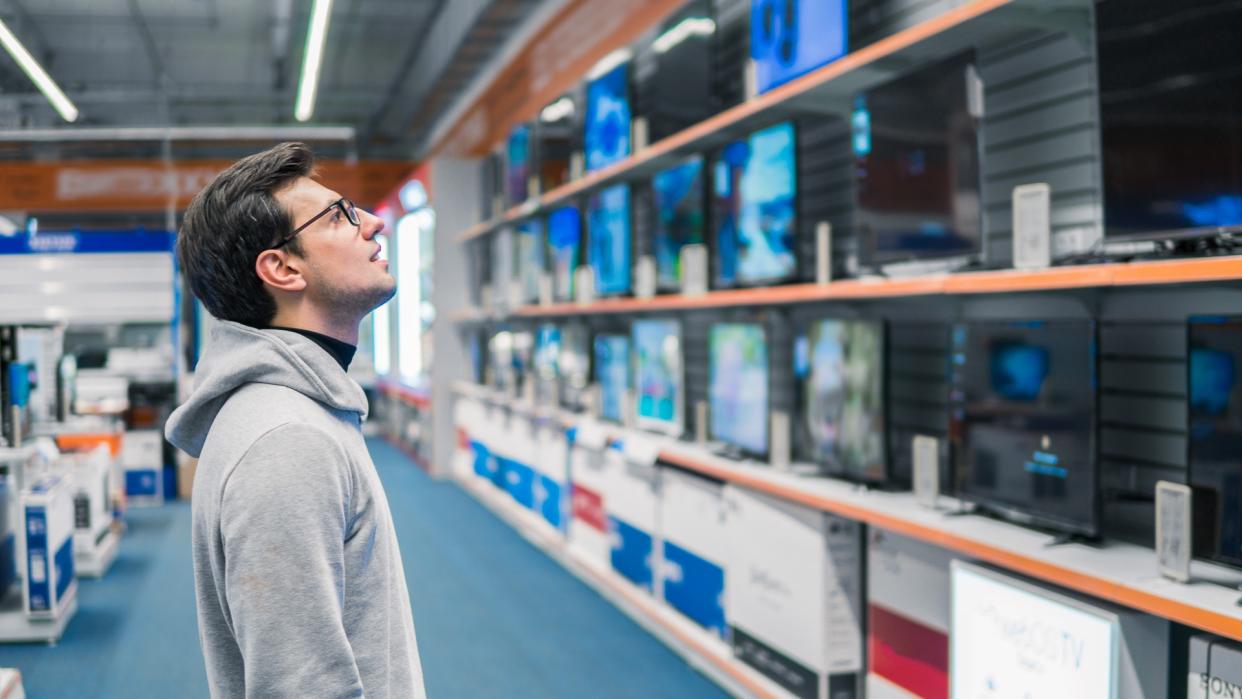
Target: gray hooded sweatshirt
(300,587)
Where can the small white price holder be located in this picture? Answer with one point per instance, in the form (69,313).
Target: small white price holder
(584,285)
(532,187)
(590,401)
(528,389)
(1032,228)
(498,205)
(823,252)
(485,298)
(1174,533)
(577,165)
(926,476)
(694,270)
(639,134)
(645,277)
(700,422)
(750,80)
(516,293)
(779,441)
(545,289)
(629,409)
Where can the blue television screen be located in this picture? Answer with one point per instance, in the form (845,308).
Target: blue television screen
(518,163)
(612,373)
(843,398)
(789,38)
(680,218)
(738,386)
(1018,370)
(547,352)
(657,374)
(565,244)
(607,137)
(755,194)
(530,259)
(608,227)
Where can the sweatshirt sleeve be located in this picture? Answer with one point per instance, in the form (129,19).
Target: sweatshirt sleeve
(283,518)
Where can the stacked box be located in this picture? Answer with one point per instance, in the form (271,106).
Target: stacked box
(551,472)
(142,463)
(47,514)
(631,498)
(588,522)
(92,511)
(1215,668)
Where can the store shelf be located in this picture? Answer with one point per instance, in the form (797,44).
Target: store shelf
(708,654)
(1111,275)
(1122,573)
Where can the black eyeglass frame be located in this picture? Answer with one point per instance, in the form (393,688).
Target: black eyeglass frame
(346,206)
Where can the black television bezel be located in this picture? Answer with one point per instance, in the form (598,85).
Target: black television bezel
(532,162)
(662,65)
(800,391)
(745,452)
(704,194)
(1019,514)
(713,218)
(588,236)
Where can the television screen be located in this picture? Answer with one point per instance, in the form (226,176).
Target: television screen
(789,38)
(678,91)
(607,135)
(680,218)
(574,365)
(517,173)
(1170,115)
(917,166)
(1216,432)
(547,353)
(658,375)
(843,406)
(608,235)
(1022,420)
(755,198)
(738,386)
(555,135)
(565,244)
(530,259)
(612,373)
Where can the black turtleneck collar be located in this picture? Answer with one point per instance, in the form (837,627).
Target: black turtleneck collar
(342,352)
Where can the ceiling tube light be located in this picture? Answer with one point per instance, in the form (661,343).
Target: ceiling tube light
(607,63)
(691,26)
(560,109)
(312,59)
(49,88)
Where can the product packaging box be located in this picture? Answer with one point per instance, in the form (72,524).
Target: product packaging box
(588,523)
(551,477)
(1215,668)
(794,594)
(632,501)
(695,547)
(47,516)
(92,501)
(142,463)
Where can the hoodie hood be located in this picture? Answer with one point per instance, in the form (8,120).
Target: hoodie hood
(237,355)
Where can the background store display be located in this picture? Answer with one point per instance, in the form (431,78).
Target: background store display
(518,164)
(755,190)
(673,80)
(695,546)
(574,366)
(1215,426)
(530,258)
(608,239)
(680,218)
(500,356)
(565,249)
(612,373)
(547,363)
(558,136)
(607,131)
(658,379)
(738,387)
(1023,417)
(790,38)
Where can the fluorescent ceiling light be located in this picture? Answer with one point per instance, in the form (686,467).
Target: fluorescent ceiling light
(607,63)
(688,27)
(560,109)
(35,72)
(312,59)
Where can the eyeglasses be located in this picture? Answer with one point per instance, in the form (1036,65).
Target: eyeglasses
(346,207)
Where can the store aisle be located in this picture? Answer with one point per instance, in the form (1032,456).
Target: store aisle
(495,617)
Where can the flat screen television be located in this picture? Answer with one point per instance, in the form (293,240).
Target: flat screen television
(608,239)
(574,365)
(676,92)
(658,380)
(606,136)
(529,257)
(565,250)
(1023,421)
(1215,423)
(612,373)
(1170,115)
(518,164)
(842,411)
(546,362)
(790,38)
(755,193)
(737,392)
(680,218)
(916,148)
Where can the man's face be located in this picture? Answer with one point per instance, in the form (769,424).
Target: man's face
(340,261)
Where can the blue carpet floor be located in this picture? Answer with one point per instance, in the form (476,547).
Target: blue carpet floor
(495,617)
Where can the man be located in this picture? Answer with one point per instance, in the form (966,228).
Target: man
(299,581)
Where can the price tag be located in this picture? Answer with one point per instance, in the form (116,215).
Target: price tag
(700,421)
(577,165)
(1174,535)
(1032,232)
(694,270)
(823,252)
(639,134)
(628,413)
(645,277)
(545,289)
(750,81)
(584,285)
(926,470)
(779,426)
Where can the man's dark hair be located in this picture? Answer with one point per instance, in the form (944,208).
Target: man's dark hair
(230,222)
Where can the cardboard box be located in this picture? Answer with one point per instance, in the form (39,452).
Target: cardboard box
(551,477)
(695,547)
(92,501)
(588,522)
(48,572)
(1214,670)
(631,498)
(142,466)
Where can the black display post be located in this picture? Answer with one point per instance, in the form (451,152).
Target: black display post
(8,355)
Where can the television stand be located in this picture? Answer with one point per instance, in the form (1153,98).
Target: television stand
(1063,539)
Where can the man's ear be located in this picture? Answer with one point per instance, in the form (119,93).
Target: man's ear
(280,270)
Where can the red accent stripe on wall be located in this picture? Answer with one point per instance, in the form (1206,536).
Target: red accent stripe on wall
(907,653)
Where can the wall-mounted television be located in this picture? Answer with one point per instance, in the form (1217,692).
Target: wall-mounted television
(612,374)
(842,412)
(574,365)
(1170,115)
(565,250)
(518,163)
(546,362)
(1023,421)
(737,393)
(790,38)
(607,130)
(1215,424)
(608,239)
(500,354)
(916,148)
(754,197)
(530,258)
(658,379)
(680,218)
(673,89)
